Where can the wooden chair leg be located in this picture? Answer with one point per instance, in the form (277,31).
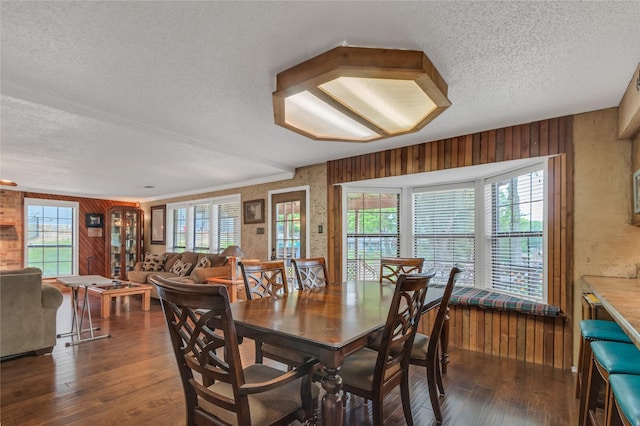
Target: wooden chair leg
(439,378)
(377,411)
(406,400)
(433,396)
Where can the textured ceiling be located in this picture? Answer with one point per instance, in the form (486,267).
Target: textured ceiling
(103,98)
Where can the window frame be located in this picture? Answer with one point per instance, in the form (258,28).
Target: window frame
(190,234)
(75,206)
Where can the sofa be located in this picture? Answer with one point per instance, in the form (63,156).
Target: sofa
(28,310)
(187,267)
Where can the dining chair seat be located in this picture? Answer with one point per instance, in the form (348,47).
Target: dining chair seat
(359,368)
(267,407)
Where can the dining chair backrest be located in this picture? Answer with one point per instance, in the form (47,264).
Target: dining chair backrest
(197,344)
(310,273)
(400,328)
(392,267)
(264,278)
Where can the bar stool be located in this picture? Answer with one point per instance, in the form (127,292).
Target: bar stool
(594,330)
(625,400)
(607,358)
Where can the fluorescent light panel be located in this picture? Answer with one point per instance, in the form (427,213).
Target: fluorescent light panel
(393,105)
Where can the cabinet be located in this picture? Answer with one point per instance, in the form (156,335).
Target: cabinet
(124,241)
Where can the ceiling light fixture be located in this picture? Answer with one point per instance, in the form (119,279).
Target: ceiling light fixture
(359,94)
(6,182)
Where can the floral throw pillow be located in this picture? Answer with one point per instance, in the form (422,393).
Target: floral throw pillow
(180,268)
(154,262)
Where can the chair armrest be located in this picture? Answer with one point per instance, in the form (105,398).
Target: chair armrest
(51,296)
(288,377)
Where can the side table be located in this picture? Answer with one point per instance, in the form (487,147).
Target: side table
(234,285)
(74,283)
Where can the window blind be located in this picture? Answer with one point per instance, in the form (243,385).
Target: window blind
(515,215)
(444,231)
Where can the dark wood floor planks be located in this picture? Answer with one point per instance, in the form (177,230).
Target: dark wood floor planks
(131,379)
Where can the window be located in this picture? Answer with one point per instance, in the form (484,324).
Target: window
(373,231)
(205,226)
(515,212)
(494,227)
(444,230)
(52,236)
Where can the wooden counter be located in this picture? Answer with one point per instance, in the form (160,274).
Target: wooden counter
(621,298)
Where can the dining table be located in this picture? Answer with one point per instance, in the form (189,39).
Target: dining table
(327,323)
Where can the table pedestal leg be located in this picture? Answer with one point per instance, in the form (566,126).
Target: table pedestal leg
(332,409)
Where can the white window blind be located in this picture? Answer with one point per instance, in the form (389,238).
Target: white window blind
(373,231)
(205,226)
(444,231)
(515,234)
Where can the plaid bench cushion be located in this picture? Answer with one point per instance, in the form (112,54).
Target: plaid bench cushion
(470,296)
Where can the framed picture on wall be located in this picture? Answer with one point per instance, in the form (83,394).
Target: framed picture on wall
(94,220)
(253,211)
(636,191)
(157,224)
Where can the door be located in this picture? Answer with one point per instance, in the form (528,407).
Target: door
(289,226)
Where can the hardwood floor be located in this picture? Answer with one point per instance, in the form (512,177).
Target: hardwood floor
(132,379)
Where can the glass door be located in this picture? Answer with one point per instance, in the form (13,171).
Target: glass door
(115,257)
(289,224)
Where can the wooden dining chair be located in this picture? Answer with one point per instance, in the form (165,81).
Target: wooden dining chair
(310,273)
(373,374)
(425,350)
(392,267)
(267,279)
(218,390)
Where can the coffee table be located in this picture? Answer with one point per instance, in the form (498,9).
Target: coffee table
(118,289)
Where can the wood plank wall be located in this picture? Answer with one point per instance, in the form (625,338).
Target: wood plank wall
(540,340)
(91,253)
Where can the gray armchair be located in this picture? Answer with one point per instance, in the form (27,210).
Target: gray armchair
(28,311)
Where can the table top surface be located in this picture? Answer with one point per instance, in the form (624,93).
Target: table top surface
(330,318)
(621,298)
(122,286)
(84,280)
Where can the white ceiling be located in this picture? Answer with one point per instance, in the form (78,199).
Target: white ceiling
(101,99)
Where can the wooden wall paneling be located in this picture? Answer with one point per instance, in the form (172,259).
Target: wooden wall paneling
(554,147)
(538,355)
(504,333)
(484,147)
(525,141)
(480,327)
(499,145)
(468,150)
(544,137)
(567,301)
(475,156)
(454,152)
(557,328)
(548,341)
(466,327)
(516,140)
(404,160)
(491,154)
(496,334)
(441,155)
(530,339)
(473,329)
(534,148)
(521,337)
(387,163)
(488,332)
(422,157)
(508,144)
(513,334)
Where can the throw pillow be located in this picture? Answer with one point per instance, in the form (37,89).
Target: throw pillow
(153,262)
(180,268)
(203,263)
